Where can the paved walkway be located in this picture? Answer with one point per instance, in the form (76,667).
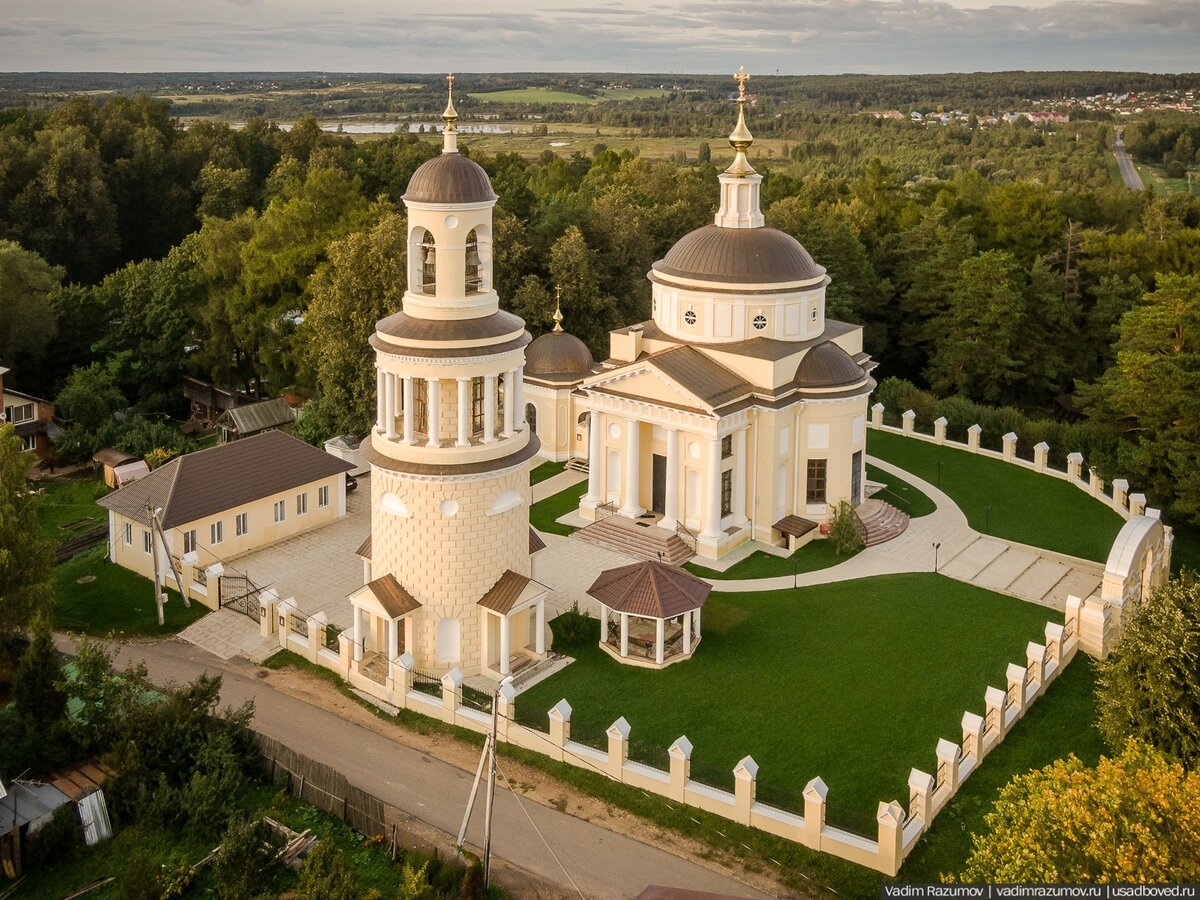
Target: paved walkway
(226,634)
(557,484)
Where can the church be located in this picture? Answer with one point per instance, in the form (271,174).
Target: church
(736,413)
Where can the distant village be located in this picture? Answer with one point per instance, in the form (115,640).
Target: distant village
(1127,104)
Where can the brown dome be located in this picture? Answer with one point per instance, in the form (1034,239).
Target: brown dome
(558,356)
(741,255)
(828,365)
(449,178)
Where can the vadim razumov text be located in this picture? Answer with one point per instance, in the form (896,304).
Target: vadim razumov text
(1022,891)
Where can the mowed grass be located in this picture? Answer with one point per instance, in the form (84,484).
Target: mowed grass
(1024,505)
(531,95)
(813,556)
(633,93)
(854,682)
(114,600)
(543,513)
(546,470)
(900,493)
(68,508)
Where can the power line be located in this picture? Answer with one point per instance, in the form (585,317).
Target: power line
(538,831)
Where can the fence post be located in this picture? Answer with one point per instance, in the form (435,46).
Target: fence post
(891,837)
(947,754)
(908,420)
(815,794)
(560,726)
(284,613)
(1137,504)
(939,429)
(316,635)
(1009,442)
(452,692)
(266,613)
(618,747)
(1035,659)
(681,766)
(1095,483)
(745,781)
(993,702)
(1016,688)
(1120,497)
(407,664)
(973,434)
(1054,649)
(345,654)
(1075,466)
(1041,456)
(972,728)
(506,707)
(877,415)
(920,789)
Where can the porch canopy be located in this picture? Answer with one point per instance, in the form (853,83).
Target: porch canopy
(514,623)
(385,600)
(658,607)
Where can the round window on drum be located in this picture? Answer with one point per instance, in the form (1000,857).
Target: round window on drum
(760,322)
(689,317)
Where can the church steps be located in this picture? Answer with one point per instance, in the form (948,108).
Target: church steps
(626,536)
(882,521)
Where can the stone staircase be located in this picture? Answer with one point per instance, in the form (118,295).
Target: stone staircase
(881,521)
(633,538)
(576,464)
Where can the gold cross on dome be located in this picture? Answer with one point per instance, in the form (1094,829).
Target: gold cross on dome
(450,82)
(741,76)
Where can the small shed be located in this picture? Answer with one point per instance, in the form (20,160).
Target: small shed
(109,460)
(255,418)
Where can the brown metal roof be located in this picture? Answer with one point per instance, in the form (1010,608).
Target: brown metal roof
(708,380)
(794,526)
(449,178)
(207,482)
(392,596)
(255,417)
(113,458)
(828,365)
(364,549)
(535,541)
(504,594)
(402,326)
(739,255)
(652,589)
(558,356)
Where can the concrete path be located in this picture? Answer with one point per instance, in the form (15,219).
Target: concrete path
(557,483)
(226,634)
(603,864)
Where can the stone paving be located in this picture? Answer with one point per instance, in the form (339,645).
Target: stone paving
(226,634)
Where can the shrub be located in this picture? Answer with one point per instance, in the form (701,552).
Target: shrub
(1149,686)
(212,795)
(326,875)
(575,627)
(58,839)
(843,530)
(245,864)
(140,881)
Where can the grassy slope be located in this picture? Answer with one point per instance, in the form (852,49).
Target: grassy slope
(901,494)
(545,470)
(543,513)
(854,682)
(1025,506)
(117,600)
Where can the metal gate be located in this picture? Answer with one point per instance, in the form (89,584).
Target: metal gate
(239,593)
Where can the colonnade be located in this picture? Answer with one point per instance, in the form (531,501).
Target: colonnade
(396,402)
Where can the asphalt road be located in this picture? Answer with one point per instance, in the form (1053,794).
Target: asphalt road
(1129,172)
(602,863)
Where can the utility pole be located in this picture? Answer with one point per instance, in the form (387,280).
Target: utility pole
(487,759)
(162,537)
(158,585)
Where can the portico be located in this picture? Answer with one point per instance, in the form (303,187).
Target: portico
(514,624)
(382,622)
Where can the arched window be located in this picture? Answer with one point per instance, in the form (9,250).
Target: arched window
(447,641)
(428,264)
(474,277)
(531,417)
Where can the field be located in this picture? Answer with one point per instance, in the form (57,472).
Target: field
(68,508)
(1156,177)
(531,95)
(854,682)
(632,93)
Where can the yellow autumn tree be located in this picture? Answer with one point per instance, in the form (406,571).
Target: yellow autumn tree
(1132,818)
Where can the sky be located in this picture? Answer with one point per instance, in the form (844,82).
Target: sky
(791,37)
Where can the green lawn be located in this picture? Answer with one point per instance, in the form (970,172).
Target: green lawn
(901,494)
(815,555)
(854,682)
(543,513)
(531,95)
(633,93)
(68,508)
(546,470)
(114,601)
(1024,505)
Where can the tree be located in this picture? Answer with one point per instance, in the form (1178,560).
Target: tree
(26,558)
(246,863)
(1134,818)
(704,157)
(27,284)
(37,689)
(90,398)
(1149,686)
(325,875)
(573,271)
(843,530)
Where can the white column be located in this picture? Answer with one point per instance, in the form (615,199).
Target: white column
(687,632)
(408,410)
(592,498)
(519,395)
(393,639)
(380,397)
(624,634)
(433,409)
(464,412)
(489,409)
(633,469)
(504,650)
(671,507)
(696,619)
(659,639)
(739,477)
(712,492)
(539,633)
(358,648)
(509,401)
(389,406)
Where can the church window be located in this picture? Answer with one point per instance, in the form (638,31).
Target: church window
(476,405)
(428,264)
(474,281)
(420,404)
(727,446)
(531,417)
(727,492)
(690,317)
(760,322)
(815,492)
(814,314)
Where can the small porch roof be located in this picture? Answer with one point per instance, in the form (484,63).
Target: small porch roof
(511,592)
(650,589)
(535,541)
(385,597)
(364,549)
(794,526)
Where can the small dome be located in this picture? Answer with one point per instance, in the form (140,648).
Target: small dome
(828,365)
(558,356)
(739,255)
(449,178)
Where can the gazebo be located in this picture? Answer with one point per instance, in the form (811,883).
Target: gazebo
(658,613)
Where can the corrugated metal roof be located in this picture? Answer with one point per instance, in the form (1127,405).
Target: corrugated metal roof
(207,482)
(31,800)
(256,417)
(651,589)
(739,255)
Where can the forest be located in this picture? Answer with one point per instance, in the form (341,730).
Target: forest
(1004,267)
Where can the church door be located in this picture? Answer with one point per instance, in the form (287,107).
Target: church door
(658,495)
(856,479)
